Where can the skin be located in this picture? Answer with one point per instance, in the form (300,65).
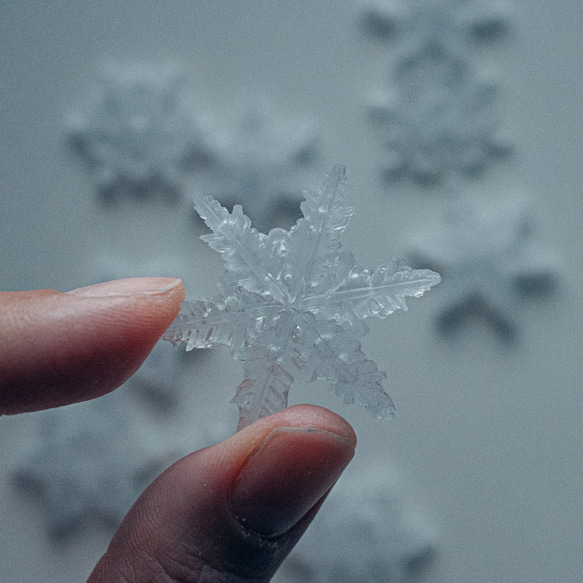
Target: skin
(228,513)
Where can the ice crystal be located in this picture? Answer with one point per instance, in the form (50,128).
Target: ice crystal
(292,304)
(439,116)
(136,136)
(438,120)
(262,161)
(489,258)
(449,27)
(89,462)
(368,530)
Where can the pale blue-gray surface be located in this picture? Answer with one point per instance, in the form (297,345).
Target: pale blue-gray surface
(490,435)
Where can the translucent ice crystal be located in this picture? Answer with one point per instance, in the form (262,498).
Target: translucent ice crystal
(292,304)
(136,136)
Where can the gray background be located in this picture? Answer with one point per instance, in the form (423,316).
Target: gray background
(489,434)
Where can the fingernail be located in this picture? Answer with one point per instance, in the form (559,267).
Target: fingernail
(286,475)
(128,287)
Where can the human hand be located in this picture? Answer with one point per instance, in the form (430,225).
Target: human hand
(227,513)
(61,348)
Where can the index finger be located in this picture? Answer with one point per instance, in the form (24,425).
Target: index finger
(60,348)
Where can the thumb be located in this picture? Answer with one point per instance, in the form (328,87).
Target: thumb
(232,512)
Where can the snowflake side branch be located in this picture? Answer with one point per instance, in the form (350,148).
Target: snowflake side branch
(384,292)
(240,245)
(322,226)
(210,323)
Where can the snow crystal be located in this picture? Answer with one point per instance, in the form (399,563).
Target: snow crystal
(488,255)
(368,530)
(262,161)
(136,136)
(89,462)
(292,304)
(438,115)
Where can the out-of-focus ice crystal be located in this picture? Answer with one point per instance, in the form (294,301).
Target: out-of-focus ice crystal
(488,255)
(369,530)
(136,135)
(262,161)
(89,462)
(437,121)
(437,117)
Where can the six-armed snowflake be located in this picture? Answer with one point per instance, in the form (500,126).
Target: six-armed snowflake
(292,304)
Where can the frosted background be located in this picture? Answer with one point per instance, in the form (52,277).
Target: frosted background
(489,434)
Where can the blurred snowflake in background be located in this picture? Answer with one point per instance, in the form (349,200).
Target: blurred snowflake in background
(438,114)
(487,253)
(368,530)
(89,462)
(136,135)
(262,161)
(438,120)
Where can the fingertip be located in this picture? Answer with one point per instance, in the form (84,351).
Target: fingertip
(165,286)
(238,507)
(301,416)
(61,348)
(285,476)
(314,417)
